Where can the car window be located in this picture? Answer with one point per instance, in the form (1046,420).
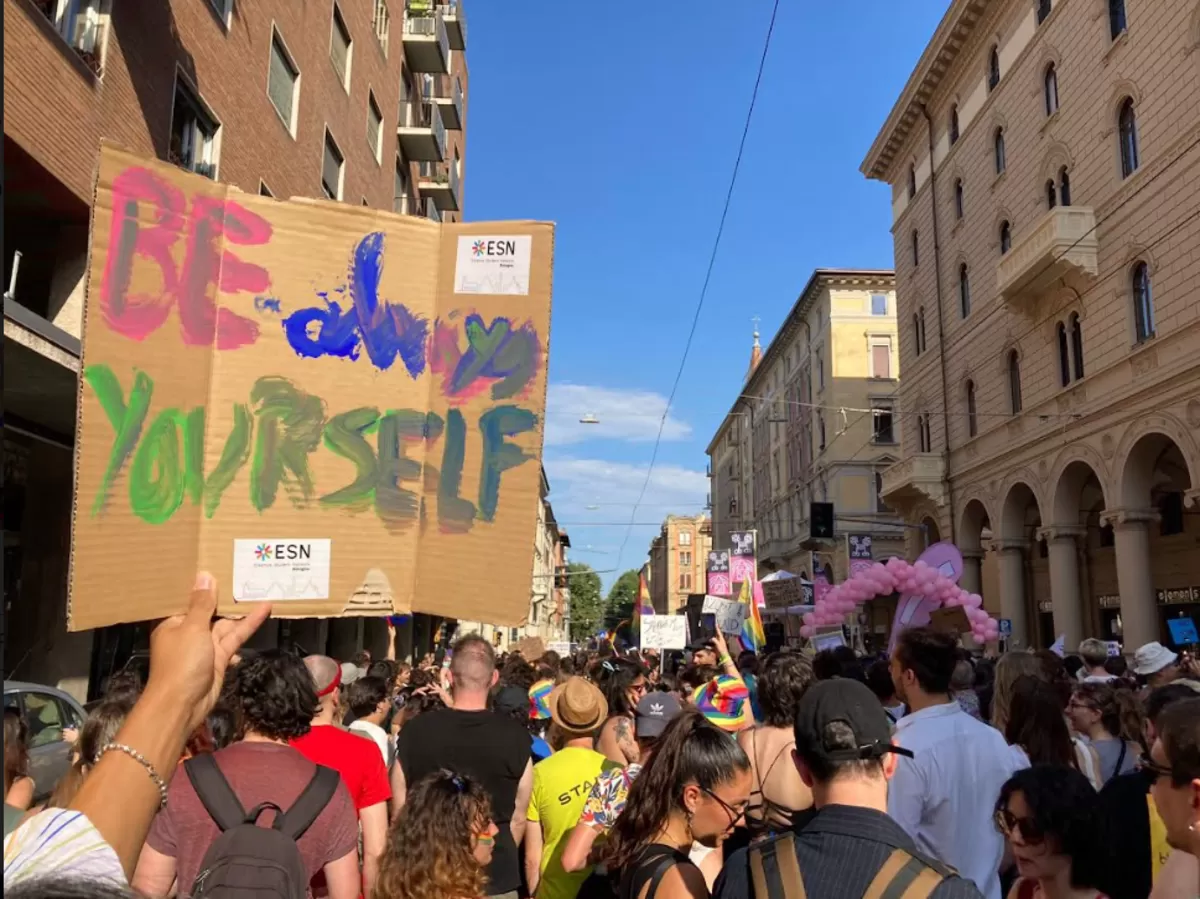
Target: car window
(44,717)
(70,716)
(12,701)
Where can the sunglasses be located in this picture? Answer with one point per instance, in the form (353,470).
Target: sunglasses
(1008,824)
(1153,768)
(735,812)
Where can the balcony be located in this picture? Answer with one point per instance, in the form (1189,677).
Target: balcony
(1062,245)
(919,477)
(421,132)
(431,211)
(426,43)
(404,205)
(451,107)
(441,186)
(456,24)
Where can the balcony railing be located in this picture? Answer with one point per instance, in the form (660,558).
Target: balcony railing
(456,24)
(81,25)
(404,205)
(449,102)
(441,186)
(422,134)
(1062,244)
(920,476)
(426,43)
(431,211)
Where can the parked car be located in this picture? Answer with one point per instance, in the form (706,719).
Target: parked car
(47,712)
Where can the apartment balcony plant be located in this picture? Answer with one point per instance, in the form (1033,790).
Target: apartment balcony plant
(441,186)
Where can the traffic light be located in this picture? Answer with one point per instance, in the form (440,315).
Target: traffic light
(821,517)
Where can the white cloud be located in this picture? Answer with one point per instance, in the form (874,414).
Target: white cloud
(629,415)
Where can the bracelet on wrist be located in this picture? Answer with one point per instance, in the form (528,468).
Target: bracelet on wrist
(725,659)
(159,783)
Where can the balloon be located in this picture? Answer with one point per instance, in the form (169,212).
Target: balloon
(807,631)
(974,600)
(808,619)
(922,565)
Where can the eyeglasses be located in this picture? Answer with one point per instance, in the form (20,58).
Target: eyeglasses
(1008,824)
(638,688)
(735,812)
(1153,768)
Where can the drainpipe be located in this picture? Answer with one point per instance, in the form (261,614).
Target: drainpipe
(937,281)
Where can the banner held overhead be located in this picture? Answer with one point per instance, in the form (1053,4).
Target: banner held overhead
(330,407)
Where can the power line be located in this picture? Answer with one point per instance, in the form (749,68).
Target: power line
(712,259)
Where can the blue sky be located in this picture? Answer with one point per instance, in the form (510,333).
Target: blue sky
(621,124)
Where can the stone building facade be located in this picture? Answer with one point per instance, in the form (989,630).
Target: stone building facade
(677,558)
(817,420)
(1044,164)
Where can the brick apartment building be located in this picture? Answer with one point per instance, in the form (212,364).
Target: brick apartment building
(1044,163)
(363,102)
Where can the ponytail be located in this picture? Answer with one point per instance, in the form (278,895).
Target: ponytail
(691,750)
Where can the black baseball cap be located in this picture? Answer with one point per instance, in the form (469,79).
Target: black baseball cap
(698,645)
(654,712)
(852,703)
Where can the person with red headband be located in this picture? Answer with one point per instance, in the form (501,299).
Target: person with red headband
(356,759)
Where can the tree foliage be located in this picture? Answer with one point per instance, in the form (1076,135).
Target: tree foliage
(587,603)
(622,597)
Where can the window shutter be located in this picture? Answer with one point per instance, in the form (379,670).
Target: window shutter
(881,362)
(282,82)
(331,167)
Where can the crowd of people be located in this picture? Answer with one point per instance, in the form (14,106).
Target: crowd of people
(933,772)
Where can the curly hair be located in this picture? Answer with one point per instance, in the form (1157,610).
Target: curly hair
(430,847)
(1120,713)
(614,677)
(275,695)
(100,728)
(784,678)
(1066,808)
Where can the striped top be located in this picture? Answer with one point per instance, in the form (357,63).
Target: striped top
(725,702)
(61,843)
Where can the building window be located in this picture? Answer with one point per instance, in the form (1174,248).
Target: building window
(223,9)
(1064,187)
(685,558)
(333,168)
(882,424)
(1076,343)
(1051,194)
(964,291)
(1043,10)
(381,22)
(1005,237)
(263,190)
(972,417)
(1170,510)
(340,48)
(1116,18)
(917,333)
(958,199)
(953,124)
(916,247)
(879,304)
(998,148)
(1064,355)
(1127,125)
(283,83)
(993,68)
(400,200)
(1014,381)
(685,580)
(922,446)
(1050,87)
(820,371)
(685,538)
(880,505)
(912,181)
(374,127)
(921,329)
(1143,303)
(193,143)
(820,432)
(881,360)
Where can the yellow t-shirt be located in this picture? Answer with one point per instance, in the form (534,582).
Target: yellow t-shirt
(561,785)
(1159,849)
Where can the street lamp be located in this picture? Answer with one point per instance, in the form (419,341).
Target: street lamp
(589,419)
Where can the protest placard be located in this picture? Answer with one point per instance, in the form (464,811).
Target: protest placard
(330,407)
(729,613)
(664,632)
(531,648)
(782,593)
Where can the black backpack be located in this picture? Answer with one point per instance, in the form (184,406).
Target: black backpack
(247,860)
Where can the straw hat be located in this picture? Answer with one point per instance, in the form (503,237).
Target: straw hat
(577,706)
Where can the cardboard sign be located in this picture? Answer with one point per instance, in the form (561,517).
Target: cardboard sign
(782,593)
(729,613)
(531,648)
(664,632)
(562,647)
(950,621)
(327,406)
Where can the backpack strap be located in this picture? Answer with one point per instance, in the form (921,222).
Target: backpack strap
(214,791)
(304,811)
(781,879)
(904,876)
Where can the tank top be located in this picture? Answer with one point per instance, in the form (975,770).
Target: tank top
(651,864)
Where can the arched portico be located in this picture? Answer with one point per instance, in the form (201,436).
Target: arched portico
(1020,521)
(1075,493)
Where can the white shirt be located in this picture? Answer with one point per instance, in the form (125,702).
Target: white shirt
(376,733)
(945,796)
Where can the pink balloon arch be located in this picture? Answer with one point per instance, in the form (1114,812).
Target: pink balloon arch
(924,585)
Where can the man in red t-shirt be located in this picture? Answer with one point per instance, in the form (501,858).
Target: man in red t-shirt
(355,758)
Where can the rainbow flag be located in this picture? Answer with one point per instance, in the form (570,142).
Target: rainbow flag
(642,606)
(753,635)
